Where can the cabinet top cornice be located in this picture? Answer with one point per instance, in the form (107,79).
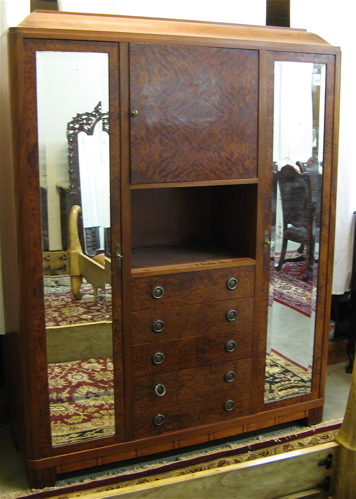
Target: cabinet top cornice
(43,22)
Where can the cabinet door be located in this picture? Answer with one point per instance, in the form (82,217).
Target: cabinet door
(193,113)
(78,324)
(299,174)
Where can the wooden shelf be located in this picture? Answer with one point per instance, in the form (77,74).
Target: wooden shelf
(177,259)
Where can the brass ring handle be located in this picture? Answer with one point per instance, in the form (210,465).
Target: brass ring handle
(229,376)
(160,390)
(229,405)
(230,346)
(157,326)
(232,283)
(159,419)
(231,315)
(158,358)
(157,292)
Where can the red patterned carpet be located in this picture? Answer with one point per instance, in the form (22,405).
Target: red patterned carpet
(62,309)
(81,400)
(289,288)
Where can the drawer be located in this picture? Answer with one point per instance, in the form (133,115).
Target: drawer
(231,378)
(180,322)
(172,290)
(164,356)
(219,407)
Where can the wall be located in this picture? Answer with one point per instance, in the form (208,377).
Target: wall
(319,16)
(237,11)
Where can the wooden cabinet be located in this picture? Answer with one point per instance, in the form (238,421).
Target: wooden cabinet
(170,334)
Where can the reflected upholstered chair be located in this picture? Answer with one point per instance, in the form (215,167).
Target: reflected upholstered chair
(312,167)
(295,190)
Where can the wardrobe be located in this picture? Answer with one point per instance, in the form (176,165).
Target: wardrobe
(153,316)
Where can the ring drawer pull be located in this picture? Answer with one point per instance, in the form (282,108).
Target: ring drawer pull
(158,358)
(159,419)
(232,283)
(229,405)
(157,292)
(158,326)
(160,390)
(229,376)
(231,315)
(230,346)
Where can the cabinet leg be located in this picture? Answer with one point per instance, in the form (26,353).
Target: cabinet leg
(38,479)
(315,416)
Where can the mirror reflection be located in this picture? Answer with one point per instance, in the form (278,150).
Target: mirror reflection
(73,137)
(299,95)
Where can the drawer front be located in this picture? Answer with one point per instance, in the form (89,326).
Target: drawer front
(232,378)
(164,356)
(180,322)
(159,418)
(171,290)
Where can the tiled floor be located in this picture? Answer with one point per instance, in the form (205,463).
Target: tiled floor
(13,475)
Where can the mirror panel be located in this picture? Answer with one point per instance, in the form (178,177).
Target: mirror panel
(77,285)
(298,132)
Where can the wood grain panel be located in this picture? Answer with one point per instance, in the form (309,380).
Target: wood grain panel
(182,322)
(190,352)
(197,113)
(182,386)
(192,287)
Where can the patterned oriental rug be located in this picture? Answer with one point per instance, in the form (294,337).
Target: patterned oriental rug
(289,287)
(285,378)
(82,395)
(62,309)
(224,453)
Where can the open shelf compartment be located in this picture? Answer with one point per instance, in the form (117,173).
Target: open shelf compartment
(193,225)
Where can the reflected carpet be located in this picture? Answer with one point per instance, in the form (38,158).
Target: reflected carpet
(62,309)
(285,378)
(81,395)
(288,288)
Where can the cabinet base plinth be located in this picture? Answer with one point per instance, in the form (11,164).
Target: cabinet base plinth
(38,479)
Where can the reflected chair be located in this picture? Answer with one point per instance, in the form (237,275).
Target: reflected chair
(312,167)
(295,190)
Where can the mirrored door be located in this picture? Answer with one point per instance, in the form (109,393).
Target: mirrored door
(74,160)
(297,183)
